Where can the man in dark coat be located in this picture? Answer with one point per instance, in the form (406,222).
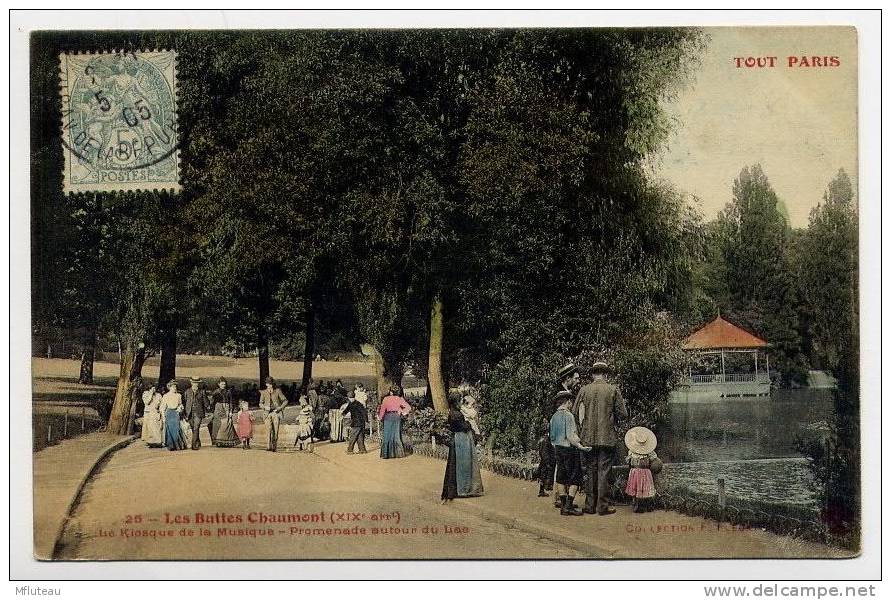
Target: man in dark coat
(598,408)
(358,419)
(197,405)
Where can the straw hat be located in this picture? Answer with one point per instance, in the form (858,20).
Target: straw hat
(567,371)
(600,367)
(640,440)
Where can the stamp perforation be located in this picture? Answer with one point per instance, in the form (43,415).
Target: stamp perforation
(128,135)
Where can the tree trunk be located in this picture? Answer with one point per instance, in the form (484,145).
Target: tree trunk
(386,374)
(132,358)
(263,354)
(167,369)
(88,356)
(434,359)
(309,348)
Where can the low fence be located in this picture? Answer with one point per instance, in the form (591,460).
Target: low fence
(795,520)
(50,428)
(728,378)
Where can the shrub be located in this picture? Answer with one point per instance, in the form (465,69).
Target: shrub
(648,363)
(423,423)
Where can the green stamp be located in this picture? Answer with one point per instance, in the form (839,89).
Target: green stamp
(119,129)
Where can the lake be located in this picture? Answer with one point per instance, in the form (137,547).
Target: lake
(749,442)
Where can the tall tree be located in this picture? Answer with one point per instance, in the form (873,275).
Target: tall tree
(122,229)
(829,272)
(828,267)
(754,239)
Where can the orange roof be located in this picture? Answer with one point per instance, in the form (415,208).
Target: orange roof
(721,334)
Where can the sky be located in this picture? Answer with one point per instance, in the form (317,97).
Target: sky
(799,123)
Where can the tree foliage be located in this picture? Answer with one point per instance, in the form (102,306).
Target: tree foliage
(757,276)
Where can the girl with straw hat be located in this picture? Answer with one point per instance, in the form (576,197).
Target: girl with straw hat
(642,459)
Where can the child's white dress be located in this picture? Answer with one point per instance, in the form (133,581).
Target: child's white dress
(472,417)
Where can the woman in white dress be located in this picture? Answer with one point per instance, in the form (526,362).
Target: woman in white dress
(171,408)
(152,431)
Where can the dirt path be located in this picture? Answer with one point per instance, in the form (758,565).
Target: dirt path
(156,486)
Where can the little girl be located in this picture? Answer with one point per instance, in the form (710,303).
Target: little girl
(642,459)
(471,414)
(304,429)
(245,425)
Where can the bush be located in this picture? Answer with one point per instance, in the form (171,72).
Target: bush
(648,363)
(423,423)
(517,402)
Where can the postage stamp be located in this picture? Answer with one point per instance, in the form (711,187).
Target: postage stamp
(119,121)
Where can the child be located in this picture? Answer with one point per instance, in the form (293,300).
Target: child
(546,461)
(471,414)
(245,425)
(186,428)
(304,428)
(642,459)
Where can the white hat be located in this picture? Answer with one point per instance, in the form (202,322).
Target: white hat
(640,440)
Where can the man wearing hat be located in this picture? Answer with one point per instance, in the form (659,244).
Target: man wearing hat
(197,406)
(598,408)
(273,401)
(564,436)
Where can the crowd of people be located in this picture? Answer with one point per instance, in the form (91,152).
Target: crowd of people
(576,453)
(174,420)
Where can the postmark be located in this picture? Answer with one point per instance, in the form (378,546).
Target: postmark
(119,121)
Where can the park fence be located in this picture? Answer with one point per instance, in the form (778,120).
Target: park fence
(794,520)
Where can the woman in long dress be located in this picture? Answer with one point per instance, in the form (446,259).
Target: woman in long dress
(171,408)
(152,432)
(462,475)
(335,417)
(225,434)
(222,426)
(391,411)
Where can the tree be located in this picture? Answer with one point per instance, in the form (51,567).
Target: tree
(762,288)
(828,271)
(116,264)
(578,248)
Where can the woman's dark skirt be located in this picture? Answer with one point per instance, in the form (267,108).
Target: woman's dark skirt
(224,434)
(462,476)
(391,437)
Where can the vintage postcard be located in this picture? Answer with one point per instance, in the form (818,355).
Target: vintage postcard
(459,293)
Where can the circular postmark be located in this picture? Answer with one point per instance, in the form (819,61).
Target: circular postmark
(120,117)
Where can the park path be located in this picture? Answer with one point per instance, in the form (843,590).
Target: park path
(515,503)
(146,490)
(60,471)
(153,486)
